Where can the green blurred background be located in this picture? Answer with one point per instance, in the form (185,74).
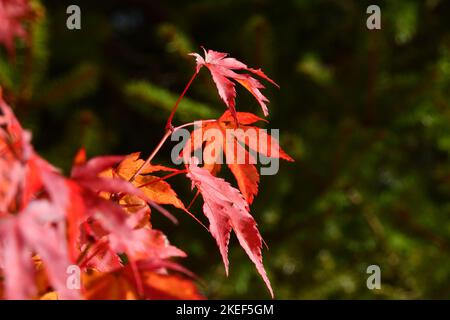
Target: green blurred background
(364,113)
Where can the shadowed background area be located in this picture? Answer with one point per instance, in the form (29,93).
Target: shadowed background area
(364,113)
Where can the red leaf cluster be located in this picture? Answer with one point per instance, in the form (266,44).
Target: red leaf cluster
(222,69)
(86,222)
(98,220)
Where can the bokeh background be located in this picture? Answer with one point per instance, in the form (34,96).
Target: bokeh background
(365,114)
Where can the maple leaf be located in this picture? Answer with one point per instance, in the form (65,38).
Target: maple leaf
(153,187)
(53,295)
(35,205)
(144,243)
(15,151)
(226,210)
(131,163)
(21,235)
(240,161)
(17,265)
(120,285)
(88,175)
(106,218)
(104,193)
(13,13)
(85,176)
(146,274)
(22,171)
(222,69)
(141,243)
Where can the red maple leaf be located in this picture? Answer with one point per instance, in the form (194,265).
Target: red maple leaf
(34,204)
(114,229)
(222,70)
(226,210)
(155,283)
(240,161)
(21,236)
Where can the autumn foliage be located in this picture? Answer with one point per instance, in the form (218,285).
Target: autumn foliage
(99,218)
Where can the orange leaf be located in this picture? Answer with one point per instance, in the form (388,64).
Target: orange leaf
(121,285)
(252,137)
(163,286)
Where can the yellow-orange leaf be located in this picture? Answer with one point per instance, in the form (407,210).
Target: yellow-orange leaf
(52,295)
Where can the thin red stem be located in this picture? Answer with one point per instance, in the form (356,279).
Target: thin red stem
(193,200)
(169,127)
(169,121)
